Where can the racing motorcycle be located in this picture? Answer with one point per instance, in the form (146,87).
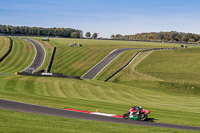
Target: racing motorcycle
(140,114)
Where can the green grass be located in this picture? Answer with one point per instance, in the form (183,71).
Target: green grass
(4,45)
(78,60)
(182,65)
(1,43)
(116,64)
(12,121)
(128,74)
(130,77)
(19,58)
(166,107)
(174,103)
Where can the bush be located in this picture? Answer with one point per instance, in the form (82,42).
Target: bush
(191,40)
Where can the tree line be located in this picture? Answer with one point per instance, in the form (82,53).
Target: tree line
(172,36)
(39,31)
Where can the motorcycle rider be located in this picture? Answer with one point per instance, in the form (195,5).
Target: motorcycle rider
(135,110)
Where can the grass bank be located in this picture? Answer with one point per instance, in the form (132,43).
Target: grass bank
(78,60)
(181,66)
(20,57)
(4,45)
(166,106)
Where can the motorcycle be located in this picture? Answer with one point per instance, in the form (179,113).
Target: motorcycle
(141,115)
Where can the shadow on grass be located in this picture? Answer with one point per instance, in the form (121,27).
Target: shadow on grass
(151,119)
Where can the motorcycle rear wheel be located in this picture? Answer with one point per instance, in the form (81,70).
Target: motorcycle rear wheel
(142,117)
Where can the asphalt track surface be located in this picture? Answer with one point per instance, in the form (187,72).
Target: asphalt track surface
(39,57)
(94,71)
(30,108)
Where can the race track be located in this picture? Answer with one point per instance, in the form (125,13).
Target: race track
(94,71)
(23,107)
(39,57)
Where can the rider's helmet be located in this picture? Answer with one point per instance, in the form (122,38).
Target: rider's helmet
(134,106)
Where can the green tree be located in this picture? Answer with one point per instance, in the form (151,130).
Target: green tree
(161,37)
(75,35)
(184,38)
(88,34)
(3,29)
(118,36)
(94,35)
(112,36)
(38,32)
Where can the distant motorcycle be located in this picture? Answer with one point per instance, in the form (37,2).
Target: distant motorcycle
(137,113)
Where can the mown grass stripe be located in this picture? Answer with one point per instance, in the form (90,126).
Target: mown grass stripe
(7,62)
(76,54)
(15,59)
(59,89)
(68,62)
(61,59)
(11,84)
(29,85)
(63,53)
(44,88)
(19,58)
(79,63)
(3,46)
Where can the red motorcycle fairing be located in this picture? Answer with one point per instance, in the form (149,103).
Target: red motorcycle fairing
(145,111)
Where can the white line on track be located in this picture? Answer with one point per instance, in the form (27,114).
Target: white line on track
(36,55)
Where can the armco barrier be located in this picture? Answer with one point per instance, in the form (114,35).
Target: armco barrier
(9,50)
(133,58)
(59,75)
(40,71)
(51,59)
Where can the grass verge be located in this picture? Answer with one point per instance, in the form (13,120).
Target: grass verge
(12,120)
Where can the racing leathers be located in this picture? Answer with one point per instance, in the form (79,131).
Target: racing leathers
(135,111)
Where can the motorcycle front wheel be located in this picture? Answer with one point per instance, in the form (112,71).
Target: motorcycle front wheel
(126,116)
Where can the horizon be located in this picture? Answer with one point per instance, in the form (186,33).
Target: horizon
(125,17)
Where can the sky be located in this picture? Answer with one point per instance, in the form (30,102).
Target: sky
(105,17)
